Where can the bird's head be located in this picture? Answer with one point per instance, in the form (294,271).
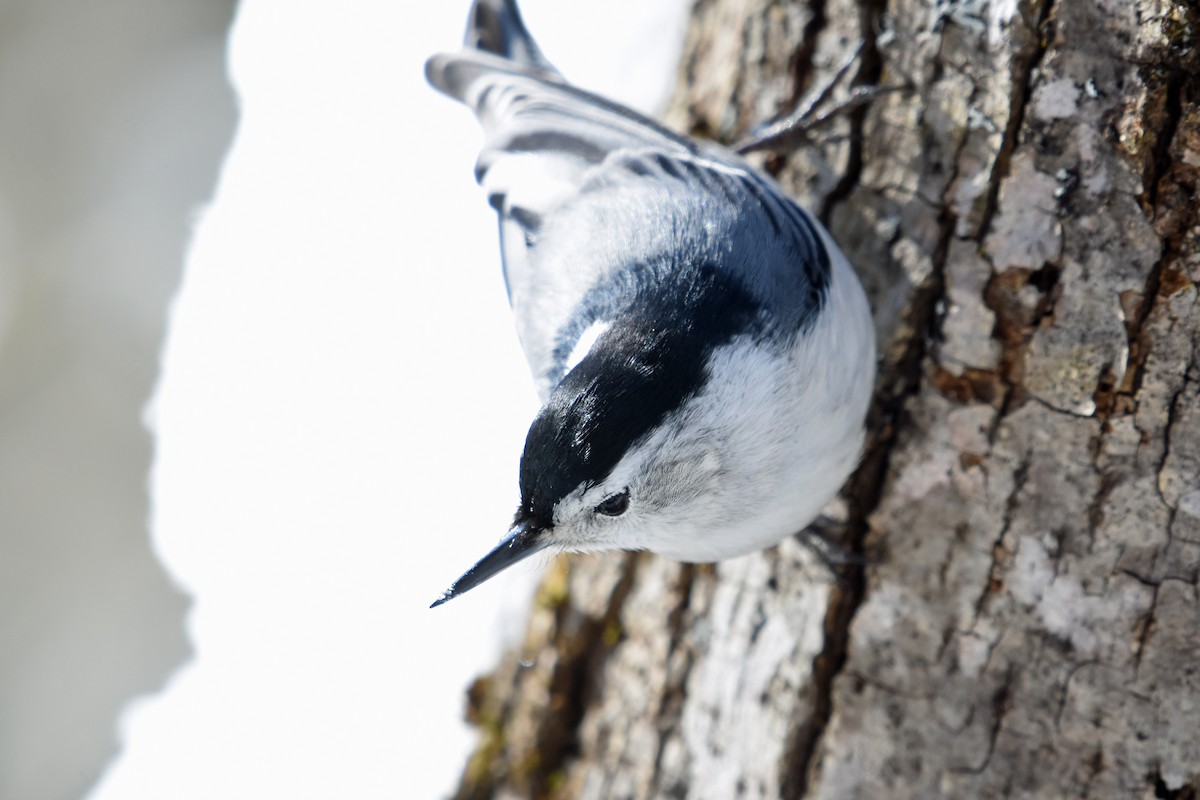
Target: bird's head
(618,458)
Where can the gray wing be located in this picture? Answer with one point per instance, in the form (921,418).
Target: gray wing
(543,138)
(585,188)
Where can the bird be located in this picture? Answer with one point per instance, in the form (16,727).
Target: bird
(703,351)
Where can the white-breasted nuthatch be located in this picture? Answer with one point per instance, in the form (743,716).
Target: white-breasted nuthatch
(704,352)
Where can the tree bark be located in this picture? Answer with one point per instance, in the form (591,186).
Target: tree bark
(1027,623)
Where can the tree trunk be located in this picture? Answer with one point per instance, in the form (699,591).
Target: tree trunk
(1028,620)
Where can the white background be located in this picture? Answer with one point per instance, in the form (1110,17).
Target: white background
(342,405)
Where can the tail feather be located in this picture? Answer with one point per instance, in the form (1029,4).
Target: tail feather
(495,26)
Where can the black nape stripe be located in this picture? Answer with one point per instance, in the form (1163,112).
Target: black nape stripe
(644,367)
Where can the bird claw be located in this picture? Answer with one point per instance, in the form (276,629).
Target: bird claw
(822,540)
(814,111)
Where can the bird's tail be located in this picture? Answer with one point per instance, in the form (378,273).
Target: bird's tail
(495,26)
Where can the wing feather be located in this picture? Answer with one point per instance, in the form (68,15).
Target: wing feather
(585,188)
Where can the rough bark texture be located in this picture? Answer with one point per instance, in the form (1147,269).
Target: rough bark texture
(1028,624)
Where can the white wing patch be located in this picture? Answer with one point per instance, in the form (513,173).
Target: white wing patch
(583,345)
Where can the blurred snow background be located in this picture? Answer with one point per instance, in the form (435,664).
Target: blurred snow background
(341,406)
(113,120)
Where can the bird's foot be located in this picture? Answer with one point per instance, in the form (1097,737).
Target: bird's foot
(815,111)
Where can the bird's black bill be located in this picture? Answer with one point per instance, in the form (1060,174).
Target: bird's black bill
(524,540)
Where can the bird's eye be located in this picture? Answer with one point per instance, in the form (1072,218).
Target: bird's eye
(614,505)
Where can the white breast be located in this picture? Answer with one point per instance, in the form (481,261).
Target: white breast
(791,432)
